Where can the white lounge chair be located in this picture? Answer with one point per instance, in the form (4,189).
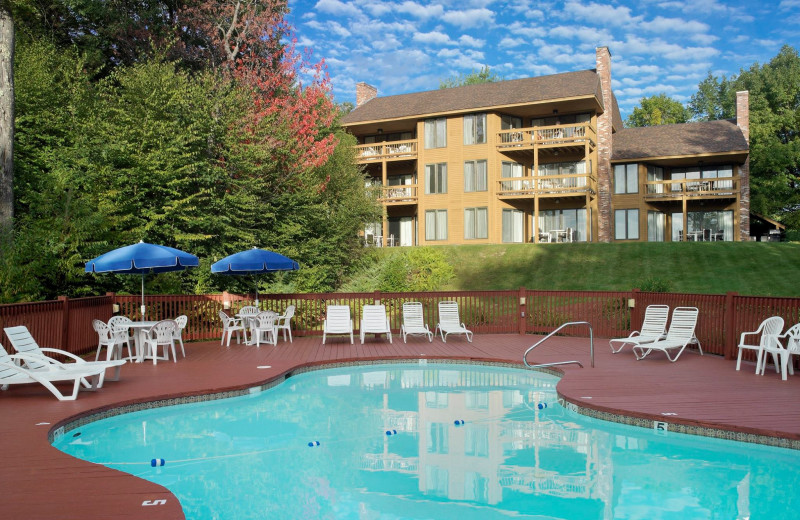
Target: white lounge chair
(14,372)
(769,327)
(782,354)
(654,328)
(37,357)
(450,322)
(374,321)
(337,321)
(680,334)
(414,322)
(284,323)
(229,326)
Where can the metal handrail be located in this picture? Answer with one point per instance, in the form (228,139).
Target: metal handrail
(591,346)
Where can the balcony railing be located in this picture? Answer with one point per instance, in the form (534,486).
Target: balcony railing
(406,194)
(570,184)
(546,136)
(392,150)
(678,188)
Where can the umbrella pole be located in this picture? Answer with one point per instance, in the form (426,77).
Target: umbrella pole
(143,308)
(257,296)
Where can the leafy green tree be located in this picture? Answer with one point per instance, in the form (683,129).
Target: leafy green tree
(658,110)
(774,129)
(485,75)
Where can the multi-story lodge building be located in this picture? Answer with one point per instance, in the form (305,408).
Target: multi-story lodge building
(547,159)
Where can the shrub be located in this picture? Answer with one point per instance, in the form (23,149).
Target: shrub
(653,284)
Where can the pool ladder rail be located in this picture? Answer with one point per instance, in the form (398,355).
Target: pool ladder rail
(545,365)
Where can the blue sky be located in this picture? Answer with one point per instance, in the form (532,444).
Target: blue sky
(657,46)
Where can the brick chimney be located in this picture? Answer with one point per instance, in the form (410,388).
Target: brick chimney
(743,122)
(364,93)
(604,124)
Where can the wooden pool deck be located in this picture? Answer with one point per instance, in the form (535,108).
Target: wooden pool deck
(40,482)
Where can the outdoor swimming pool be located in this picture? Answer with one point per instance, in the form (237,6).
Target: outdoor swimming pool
(432,441)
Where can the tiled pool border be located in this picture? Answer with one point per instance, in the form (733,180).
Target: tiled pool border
(648,423)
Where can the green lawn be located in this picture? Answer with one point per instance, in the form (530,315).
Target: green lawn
(749,268)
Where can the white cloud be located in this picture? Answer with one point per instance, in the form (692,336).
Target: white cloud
(508,42)
(526,31)
(673,25)
(433,37)
(420,11)
(469,17)
(337,8)
(469,41)
(600,14)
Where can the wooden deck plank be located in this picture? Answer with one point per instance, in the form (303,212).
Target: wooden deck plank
(39,481)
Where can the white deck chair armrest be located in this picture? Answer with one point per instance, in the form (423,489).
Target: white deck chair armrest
(741,338)
(18,359)
(63,353)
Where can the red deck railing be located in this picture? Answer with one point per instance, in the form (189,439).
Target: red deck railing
(66,323)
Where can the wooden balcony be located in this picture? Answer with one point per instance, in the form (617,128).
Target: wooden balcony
(389,151)
(399,195)
(577,184)
(677,189)
(573,138)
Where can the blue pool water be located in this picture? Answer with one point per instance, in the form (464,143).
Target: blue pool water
(387,441)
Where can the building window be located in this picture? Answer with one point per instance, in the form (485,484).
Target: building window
(475,177)
(435,178)
(655,174)
(476,223)
(656,226)
(510,122)
(704,226)
(513,220)
(436,133)
(475,129)
(436,224)
(626,224)
(626,178)
(573,221)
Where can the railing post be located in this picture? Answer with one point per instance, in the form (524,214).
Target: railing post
(635,311)
(523,304)
(64,323)
(729,325)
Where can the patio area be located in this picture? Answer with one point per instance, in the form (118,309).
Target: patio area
(40,482)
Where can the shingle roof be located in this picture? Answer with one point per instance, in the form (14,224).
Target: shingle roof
(471,97)
(678,140)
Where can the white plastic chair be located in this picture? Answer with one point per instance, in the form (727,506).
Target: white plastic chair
(284,323)
(374,321)
(450,322)
(654,327)
(414,322)
(770,326)
(181,320)
(337,321)
(108,339)
(162,334)
(679,335)
(263,327)
(122,324)
(229,326)
(782,354)
(247,313)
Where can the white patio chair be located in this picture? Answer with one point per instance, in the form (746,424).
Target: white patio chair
(229,326)
(782,354)
(122,323)
(109,338)
(247,313)
(450,322)
(14,371)
(38,358)
(262,329)
(770,326)
(414,322)
(680,334)
(337,321)
(181,320)
(374,321)
(284,323)
(162,334)
(654,327)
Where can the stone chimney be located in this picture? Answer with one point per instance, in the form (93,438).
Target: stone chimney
(743,122)
(743,113)
(364,93)
(604,124)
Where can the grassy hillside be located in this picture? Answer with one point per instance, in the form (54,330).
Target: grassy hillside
(751,268)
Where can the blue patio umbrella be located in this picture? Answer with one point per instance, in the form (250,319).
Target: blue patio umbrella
(142,259)
(254,261)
